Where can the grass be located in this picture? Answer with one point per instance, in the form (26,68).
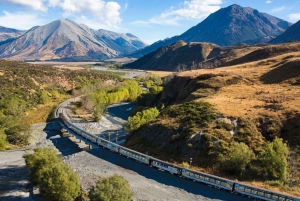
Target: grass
(263,96)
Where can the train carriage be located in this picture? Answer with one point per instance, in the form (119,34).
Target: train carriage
(208,179)
(135,155)
(112,146)
(262,193)
(165,166)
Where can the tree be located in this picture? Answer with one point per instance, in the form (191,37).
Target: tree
(60,183)
(56,180)
(37,162)
(44,98)
(274,159)
(236,158)
(111,188)
(140,118)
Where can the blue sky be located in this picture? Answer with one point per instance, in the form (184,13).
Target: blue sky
(150,20)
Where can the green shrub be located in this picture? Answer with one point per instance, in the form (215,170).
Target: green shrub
(140,118)
(236,158)
(274,159)
(56,180)
(111,188)
(185,165)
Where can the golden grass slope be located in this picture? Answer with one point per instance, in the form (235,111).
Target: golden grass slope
(270,89)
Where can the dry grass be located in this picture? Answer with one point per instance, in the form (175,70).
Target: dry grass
(69,67)
(41,112)
(161,73)
(253,98)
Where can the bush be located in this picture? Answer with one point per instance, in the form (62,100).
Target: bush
(140,118)
(185,165)
(56,180)
(274,159)
(111,188)
(236,158)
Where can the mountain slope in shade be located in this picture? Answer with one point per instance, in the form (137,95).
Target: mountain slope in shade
(181,56)
(7,33)
(63,39)
(228,26)
(176,57)
(291,34)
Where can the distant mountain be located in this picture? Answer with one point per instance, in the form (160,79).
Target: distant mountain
(181,56)
(175,57)
(66,40)
(6,33)
(291,34)
(228,26)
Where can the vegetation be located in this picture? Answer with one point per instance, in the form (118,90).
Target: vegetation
(274,159)
(128,90)
(234,161)
(140,118)
(56,180)
(26,89)
(256,113)
(111,188)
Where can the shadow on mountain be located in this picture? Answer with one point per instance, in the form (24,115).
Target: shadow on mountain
(264,53)
(286,71)
(291,129)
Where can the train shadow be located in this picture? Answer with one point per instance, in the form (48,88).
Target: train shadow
(63,144)
(165,177)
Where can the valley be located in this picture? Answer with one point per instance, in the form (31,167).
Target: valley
(208,91)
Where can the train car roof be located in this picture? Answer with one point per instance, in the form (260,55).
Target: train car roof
(134,151)
(270,191)
(171,164)
(210,175)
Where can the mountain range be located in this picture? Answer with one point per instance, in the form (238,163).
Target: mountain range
(66,40)
(226,27)
(181,56)
(7,33)
(291,34)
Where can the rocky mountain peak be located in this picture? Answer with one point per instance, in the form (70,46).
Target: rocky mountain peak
(65,39)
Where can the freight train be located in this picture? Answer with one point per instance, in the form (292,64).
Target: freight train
(211,180)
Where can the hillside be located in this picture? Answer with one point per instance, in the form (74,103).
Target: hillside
(204,111)
(174,57)
(291,34)
(64,39)
(182,56)
(226,27)
(7,33)
(28,94)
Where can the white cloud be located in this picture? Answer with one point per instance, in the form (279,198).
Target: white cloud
(104,11)
(12,20)
(294,16)
(96,24)
(53,3)
(109,12)
(269,1)
(190,9)
(279,9)
(35,4)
